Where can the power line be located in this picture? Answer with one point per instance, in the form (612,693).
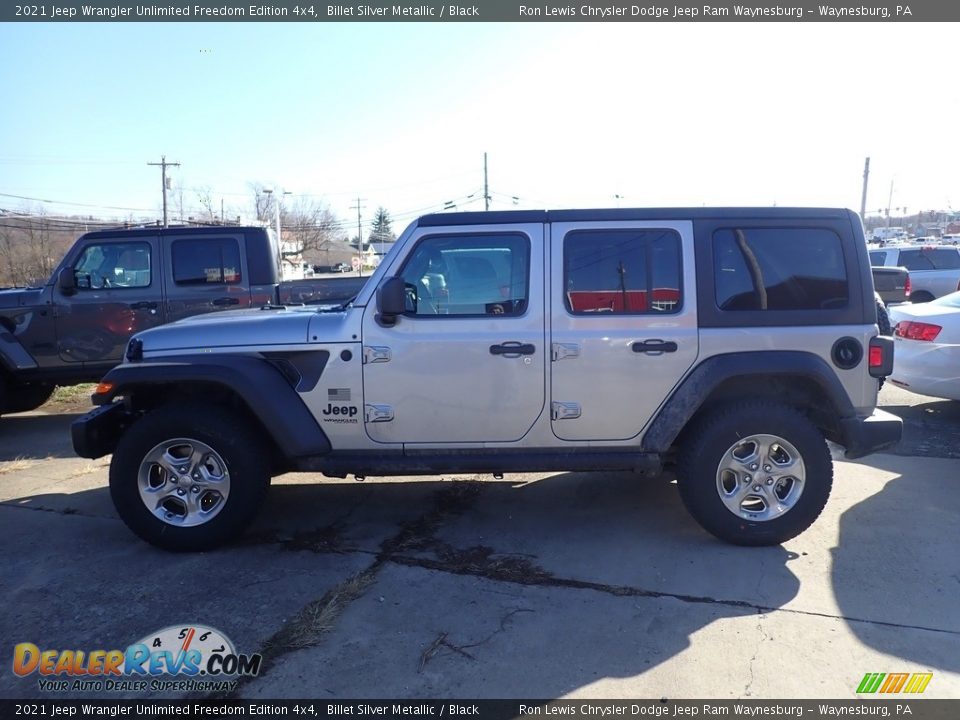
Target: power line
(74,204)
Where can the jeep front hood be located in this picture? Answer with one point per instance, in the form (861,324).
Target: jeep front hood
(238,328)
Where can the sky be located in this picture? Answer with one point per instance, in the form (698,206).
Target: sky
(401,114)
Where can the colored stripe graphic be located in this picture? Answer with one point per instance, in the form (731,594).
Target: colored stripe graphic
(894,683)
(870,682)
(918,683)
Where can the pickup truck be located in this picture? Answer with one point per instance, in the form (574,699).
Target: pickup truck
(934,269)
(112,284)
(892,284)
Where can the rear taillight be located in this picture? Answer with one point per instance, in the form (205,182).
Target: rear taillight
(880,356)
(906,287)
(912,330)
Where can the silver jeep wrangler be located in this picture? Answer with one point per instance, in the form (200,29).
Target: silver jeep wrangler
(729,343)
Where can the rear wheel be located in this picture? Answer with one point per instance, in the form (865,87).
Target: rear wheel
(754,472)
(189,477)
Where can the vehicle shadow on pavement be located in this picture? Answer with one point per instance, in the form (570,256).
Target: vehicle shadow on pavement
(929,429)
(575,578)
(36,435)
(603,572)
(896,563)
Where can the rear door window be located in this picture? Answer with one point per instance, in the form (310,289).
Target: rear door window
(635,272)
(206,262)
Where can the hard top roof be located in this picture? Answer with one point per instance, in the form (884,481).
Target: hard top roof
(543,216)
(179,230)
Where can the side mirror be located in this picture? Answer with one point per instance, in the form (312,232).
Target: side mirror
(67,281)
(391,300)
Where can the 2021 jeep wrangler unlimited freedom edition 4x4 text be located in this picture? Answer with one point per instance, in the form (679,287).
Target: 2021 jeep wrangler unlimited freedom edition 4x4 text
(727,342)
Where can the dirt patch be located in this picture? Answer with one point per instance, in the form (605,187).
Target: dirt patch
(71,398)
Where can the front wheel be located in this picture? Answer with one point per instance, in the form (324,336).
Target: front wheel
(754,472)
(22,398)
(189,477)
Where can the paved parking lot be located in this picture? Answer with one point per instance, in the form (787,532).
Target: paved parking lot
(589,585)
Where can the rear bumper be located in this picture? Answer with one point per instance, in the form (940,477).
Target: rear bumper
(96,434)
(865,435)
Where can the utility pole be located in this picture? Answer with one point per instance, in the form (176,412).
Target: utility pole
(863,199)
(486,187)
(163,165)
(359,207)
(889,201)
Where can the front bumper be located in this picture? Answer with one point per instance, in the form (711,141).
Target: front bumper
(96,434)
(865,435)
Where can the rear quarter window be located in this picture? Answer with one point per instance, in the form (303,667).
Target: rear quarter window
(779,269)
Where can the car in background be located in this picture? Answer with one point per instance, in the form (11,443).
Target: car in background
(926,356)
(934,269)
(339,267)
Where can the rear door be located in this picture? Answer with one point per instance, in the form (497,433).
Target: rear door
(624,324)
(467,362)
(206,273)
(118,293)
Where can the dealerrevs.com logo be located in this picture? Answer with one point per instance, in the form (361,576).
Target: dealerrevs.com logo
(177,658)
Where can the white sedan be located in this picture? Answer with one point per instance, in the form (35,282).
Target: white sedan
(926,351)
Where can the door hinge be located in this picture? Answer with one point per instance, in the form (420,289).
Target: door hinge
(376,354)
(565,410)
(562,351)
(377,413)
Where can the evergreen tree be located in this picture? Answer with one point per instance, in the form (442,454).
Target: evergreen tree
(380,230)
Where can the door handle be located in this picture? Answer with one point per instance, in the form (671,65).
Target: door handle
(226,301)
(143,305)
(647,346)
(513,349)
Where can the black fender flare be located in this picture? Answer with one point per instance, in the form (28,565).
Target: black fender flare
(13,356)
(265,388)
(689,396)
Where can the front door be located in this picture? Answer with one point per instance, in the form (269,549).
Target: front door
(466,363)
(118,293)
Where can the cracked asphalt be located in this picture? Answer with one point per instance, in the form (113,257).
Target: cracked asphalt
(535,586)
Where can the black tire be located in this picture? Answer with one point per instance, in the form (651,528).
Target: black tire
(710,438)
(232,438)
(883,319)
(22,398)
(920,297)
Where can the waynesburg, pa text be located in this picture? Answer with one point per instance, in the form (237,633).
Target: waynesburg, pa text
(678,12)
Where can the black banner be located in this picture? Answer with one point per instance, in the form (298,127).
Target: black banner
(483,11)
(914,708)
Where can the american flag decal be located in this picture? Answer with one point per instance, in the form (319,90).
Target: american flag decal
(338,394)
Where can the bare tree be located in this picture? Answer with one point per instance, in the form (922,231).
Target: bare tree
(262,202)
(30,249)
(205,198)
(309,229)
